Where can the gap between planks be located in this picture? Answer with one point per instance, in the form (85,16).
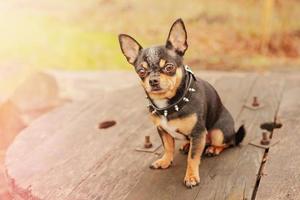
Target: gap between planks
(260,173)
(166,177)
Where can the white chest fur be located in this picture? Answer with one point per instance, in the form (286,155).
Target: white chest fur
(164,122)
(161,103)
(170,129)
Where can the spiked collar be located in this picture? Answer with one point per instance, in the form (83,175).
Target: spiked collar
(184,99)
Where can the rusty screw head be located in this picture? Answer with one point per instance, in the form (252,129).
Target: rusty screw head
(255,102)
(147,143)
(265,139)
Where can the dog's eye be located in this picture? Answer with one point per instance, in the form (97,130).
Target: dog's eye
(169,68)
(142,72)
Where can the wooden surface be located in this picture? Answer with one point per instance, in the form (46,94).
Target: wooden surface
(233,174)
(63,155)
(282,169)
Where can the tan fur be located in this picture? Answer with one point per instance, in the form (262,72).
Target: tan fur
(192,172)
(169,85)
(145,84)
(182,125)
(144,64)
(217,137)
(162,62)
(185,144)
(167,158)
(216,142)
(155,119)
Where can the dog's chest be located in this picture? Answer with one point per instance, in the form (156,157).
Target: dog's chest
(178,128)
(171,128)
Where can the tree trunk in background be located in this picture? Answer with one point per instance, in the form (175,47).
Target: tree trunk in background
(266,24)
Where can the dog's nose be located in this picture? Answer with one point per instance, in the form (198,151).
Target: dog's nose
(154,82)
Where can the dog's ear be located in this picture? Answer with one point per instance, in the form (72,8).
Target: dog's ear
(130,47)
(177,39)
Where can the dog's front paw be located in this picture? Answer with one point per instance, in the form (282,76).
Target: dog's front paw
(161,164)
(191,181)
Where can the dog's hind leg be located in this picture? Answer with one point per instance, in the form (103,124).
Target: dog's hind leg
(216,143)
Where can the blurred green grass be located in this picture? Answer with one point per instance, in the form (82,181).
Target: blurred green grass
(45,42)
(80,35)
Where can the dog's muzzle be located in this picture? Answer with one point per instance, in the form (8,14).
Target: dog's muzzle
(154,81)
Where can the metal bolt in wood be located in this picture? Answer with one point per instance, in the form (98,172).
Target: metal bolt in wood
(265,139)
(147,143)
(255,102)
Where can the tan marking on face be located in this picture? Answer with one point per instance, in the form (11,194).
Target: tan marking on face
(145,84)
(144,64)
(192,171)
(162,62)
(169,84)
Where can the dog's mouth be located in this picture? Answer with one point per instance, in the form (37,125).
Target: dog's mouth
(157,90)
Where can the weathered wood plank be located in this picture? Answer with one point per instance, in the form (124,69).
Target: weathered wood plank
(167,184)
(64,153)
(282,168)
(126,157)
(235,177)
(69,158)
(66,145)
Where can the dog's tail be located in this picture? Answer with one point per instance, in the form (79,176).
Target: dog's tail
(240,135)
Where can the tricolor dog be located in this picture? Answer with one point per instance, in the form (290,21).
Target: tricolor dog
(181,105)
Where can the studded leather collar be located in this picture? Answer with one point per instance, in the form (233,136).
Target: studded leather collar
(184,99)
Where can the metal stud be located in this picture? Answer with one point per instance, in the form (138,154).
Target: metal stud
(176,107)
(187,68)
(148,143)
(265,138)
(165,113)
(192,90)
(186,99)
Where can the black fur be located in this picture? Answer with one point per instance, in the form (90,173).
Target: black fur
(205,102)
(240,134)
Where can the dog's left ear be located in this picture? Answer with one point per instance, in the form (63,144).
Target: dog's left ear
(177,39)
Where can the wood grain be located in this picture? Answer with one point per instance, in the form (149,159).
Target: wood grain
(282,168)
(168,184)
(66,146)
(234,172)
(64,155)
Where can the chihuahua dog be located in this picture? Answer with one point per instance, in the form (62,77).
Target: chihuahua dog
(181,105)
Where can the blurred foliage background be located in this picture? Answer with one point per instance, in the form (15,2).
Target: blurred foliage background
(68,37)
(82,35)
